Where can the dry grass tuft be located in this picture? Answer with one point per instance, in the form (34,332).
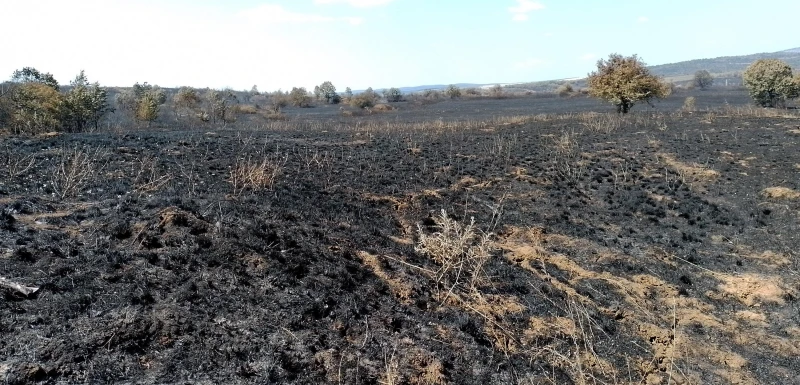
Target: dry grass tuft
(780,193)
(249,174)
(689,172)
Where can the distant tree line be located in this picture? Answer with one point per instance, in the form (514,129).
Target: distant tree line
(33,101)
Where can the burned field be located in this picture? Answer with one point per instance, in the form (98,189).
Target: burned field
(659,247)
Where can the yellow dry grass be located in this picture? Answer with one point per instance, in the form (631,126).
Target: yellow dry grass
(780,193)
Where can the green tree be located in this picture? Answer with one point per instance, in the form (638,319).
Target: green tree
(299,97)
(32,103)
(393,95)
(33,108)
(328,91)
(624,81)
(84,104)
(703,79)
(452,91)
(32,75)
(143,101)
(770,82)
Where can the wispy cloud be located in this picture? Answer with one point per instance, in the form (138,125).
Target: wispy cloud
(356,3)
(274,14)
(523,8)
(642,19)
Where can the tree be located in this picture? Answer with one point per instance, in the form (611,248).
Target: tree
(143,101)
(703,79)
(299,97)
(317,93)
(328,91)
(453,92)
(84,104)
(624,81)
(219,105)
(32,75)
(34,107)
(31,103)
(393,95)
(187,100)
(368,98)
(770,82)
(348,93)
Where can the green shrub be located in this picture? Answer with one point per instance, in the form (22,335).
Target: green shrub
(623,81)
(770,82)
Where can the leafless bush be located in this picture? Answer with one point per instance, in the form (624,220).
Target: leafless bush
(74,169)
(14,163)
(250,174)
(460,251)
(149,177)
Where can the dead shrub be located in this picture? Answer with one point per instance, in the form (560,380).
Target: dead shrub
(74,169)
(149,176)
(564,90)
(459,251)
(689,104)
(14,163)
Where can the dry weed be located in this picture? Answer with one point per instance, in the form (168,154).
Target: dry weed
(603,123)
(459,251)
(249,174)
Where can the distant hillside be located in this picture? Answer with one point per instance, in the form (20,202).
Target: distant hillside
(725,64)
(413,89)
(724,69)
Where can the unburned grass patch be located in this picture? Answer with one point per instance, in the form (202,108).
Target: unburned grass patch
(780,193)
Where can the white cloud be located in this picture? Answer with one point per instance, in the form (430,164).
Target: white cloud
(642,19)
(588,56)
(548,34)
(523,8)
(356,3)
(529,63)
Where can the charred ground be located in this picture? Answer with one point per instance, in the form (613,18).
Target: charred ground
(655,248)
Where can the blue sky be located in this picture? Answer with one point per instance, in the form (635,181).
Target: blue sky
(373,43)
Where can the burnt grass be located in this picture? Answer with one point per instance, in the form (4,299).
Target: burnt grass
(640,251)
